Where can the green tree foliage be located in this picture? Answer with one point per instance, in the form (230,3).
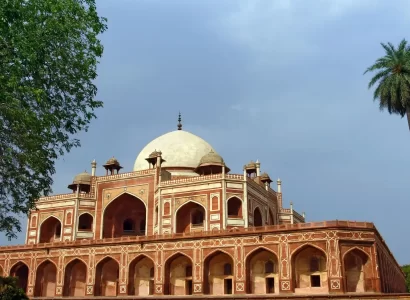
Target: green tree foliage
(9,289)
(406,270)
(393,79)
(49,52)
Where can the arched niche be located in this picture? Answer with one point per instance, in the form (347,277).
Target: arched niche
(218,274)
(190,217)
(106,278)
(234,208)
(85,222)
(178,275)
(310,270)
(20,270)
(141,276)
(262,272)
(358,272)
(257,217)
(124,216)
(75,279)
(46,280)
(50,230)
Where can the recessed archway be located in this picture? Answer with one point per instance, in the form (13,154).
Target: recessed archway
(178,275)
(262,272)
(20,270)
(85,222)
(125,215)
(234,208)
(271,217)
(357,269)
(106,278)
(190,217)
(257,217)
(50,230)
(46,280)
(218,274)
(141,276)
(75,279)
(310,270)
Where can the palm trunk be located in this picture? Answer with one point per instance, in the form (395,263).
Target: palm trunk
(408,114)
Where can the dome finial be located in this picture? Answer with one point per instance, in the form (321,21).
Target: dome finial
(179,121)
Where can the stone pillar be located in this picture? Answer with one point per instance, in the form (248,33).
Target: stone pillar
(239,270)
(60,276)
(335,279)
(197,271)
(31,280)
(123,278)
(159,273)
(90,275)
(285,275)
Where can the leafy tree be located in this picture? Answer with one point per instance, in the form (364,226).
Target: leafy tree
(406,270)
(393,79)
(49,52)
(10,290)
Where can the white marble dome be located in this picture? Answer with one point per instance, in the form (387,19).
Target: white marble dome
(179,149)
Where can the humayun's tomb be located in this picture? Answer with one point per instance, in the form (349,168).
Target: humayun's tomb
(180,224)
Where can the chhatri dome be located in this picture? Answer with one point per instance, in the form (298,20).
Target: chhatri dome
(181,150)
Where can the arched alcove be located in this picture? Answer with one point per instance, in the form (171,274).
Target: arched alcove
(357,270)
(106,278)
(20,270)
(85,222)
(234,208)
(46,280)
(122,216)
(262,272)
(218,274)
(310,270)
(141,276)
(178,275)
(190,217)
(50,230)
(257,217)
(75,279)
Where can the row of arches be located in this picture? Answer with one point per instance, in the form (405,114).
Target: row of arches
(261,266)
(127,215)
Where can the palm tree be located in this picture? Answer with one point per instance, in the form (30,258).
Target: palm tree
(393,78)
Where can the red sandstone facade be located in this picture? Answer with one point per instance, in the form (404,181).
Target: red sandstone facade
(203,232)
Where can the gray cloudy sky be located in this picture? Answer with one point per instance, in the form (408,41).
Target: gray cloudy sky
(279,81)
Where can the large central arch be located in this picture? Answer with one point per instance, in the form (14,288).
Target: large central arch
(124,216)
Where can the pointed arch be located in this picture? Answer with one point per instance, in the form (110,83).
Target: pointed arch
(178,274)
(234,207)
(21,271)
(262,271)
(125,206)
(186,221)
(218,273)
(50,230)
(309,269)
(85,222)
(107,274)
(257,217)
(141,272)
(75,278)
(46,279)
(357,269)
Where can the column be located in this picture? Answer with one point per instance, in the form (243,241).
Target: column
(335,279)
(285,275)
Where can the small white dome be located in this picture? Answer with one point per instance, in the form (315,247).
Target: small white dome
(179,149)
